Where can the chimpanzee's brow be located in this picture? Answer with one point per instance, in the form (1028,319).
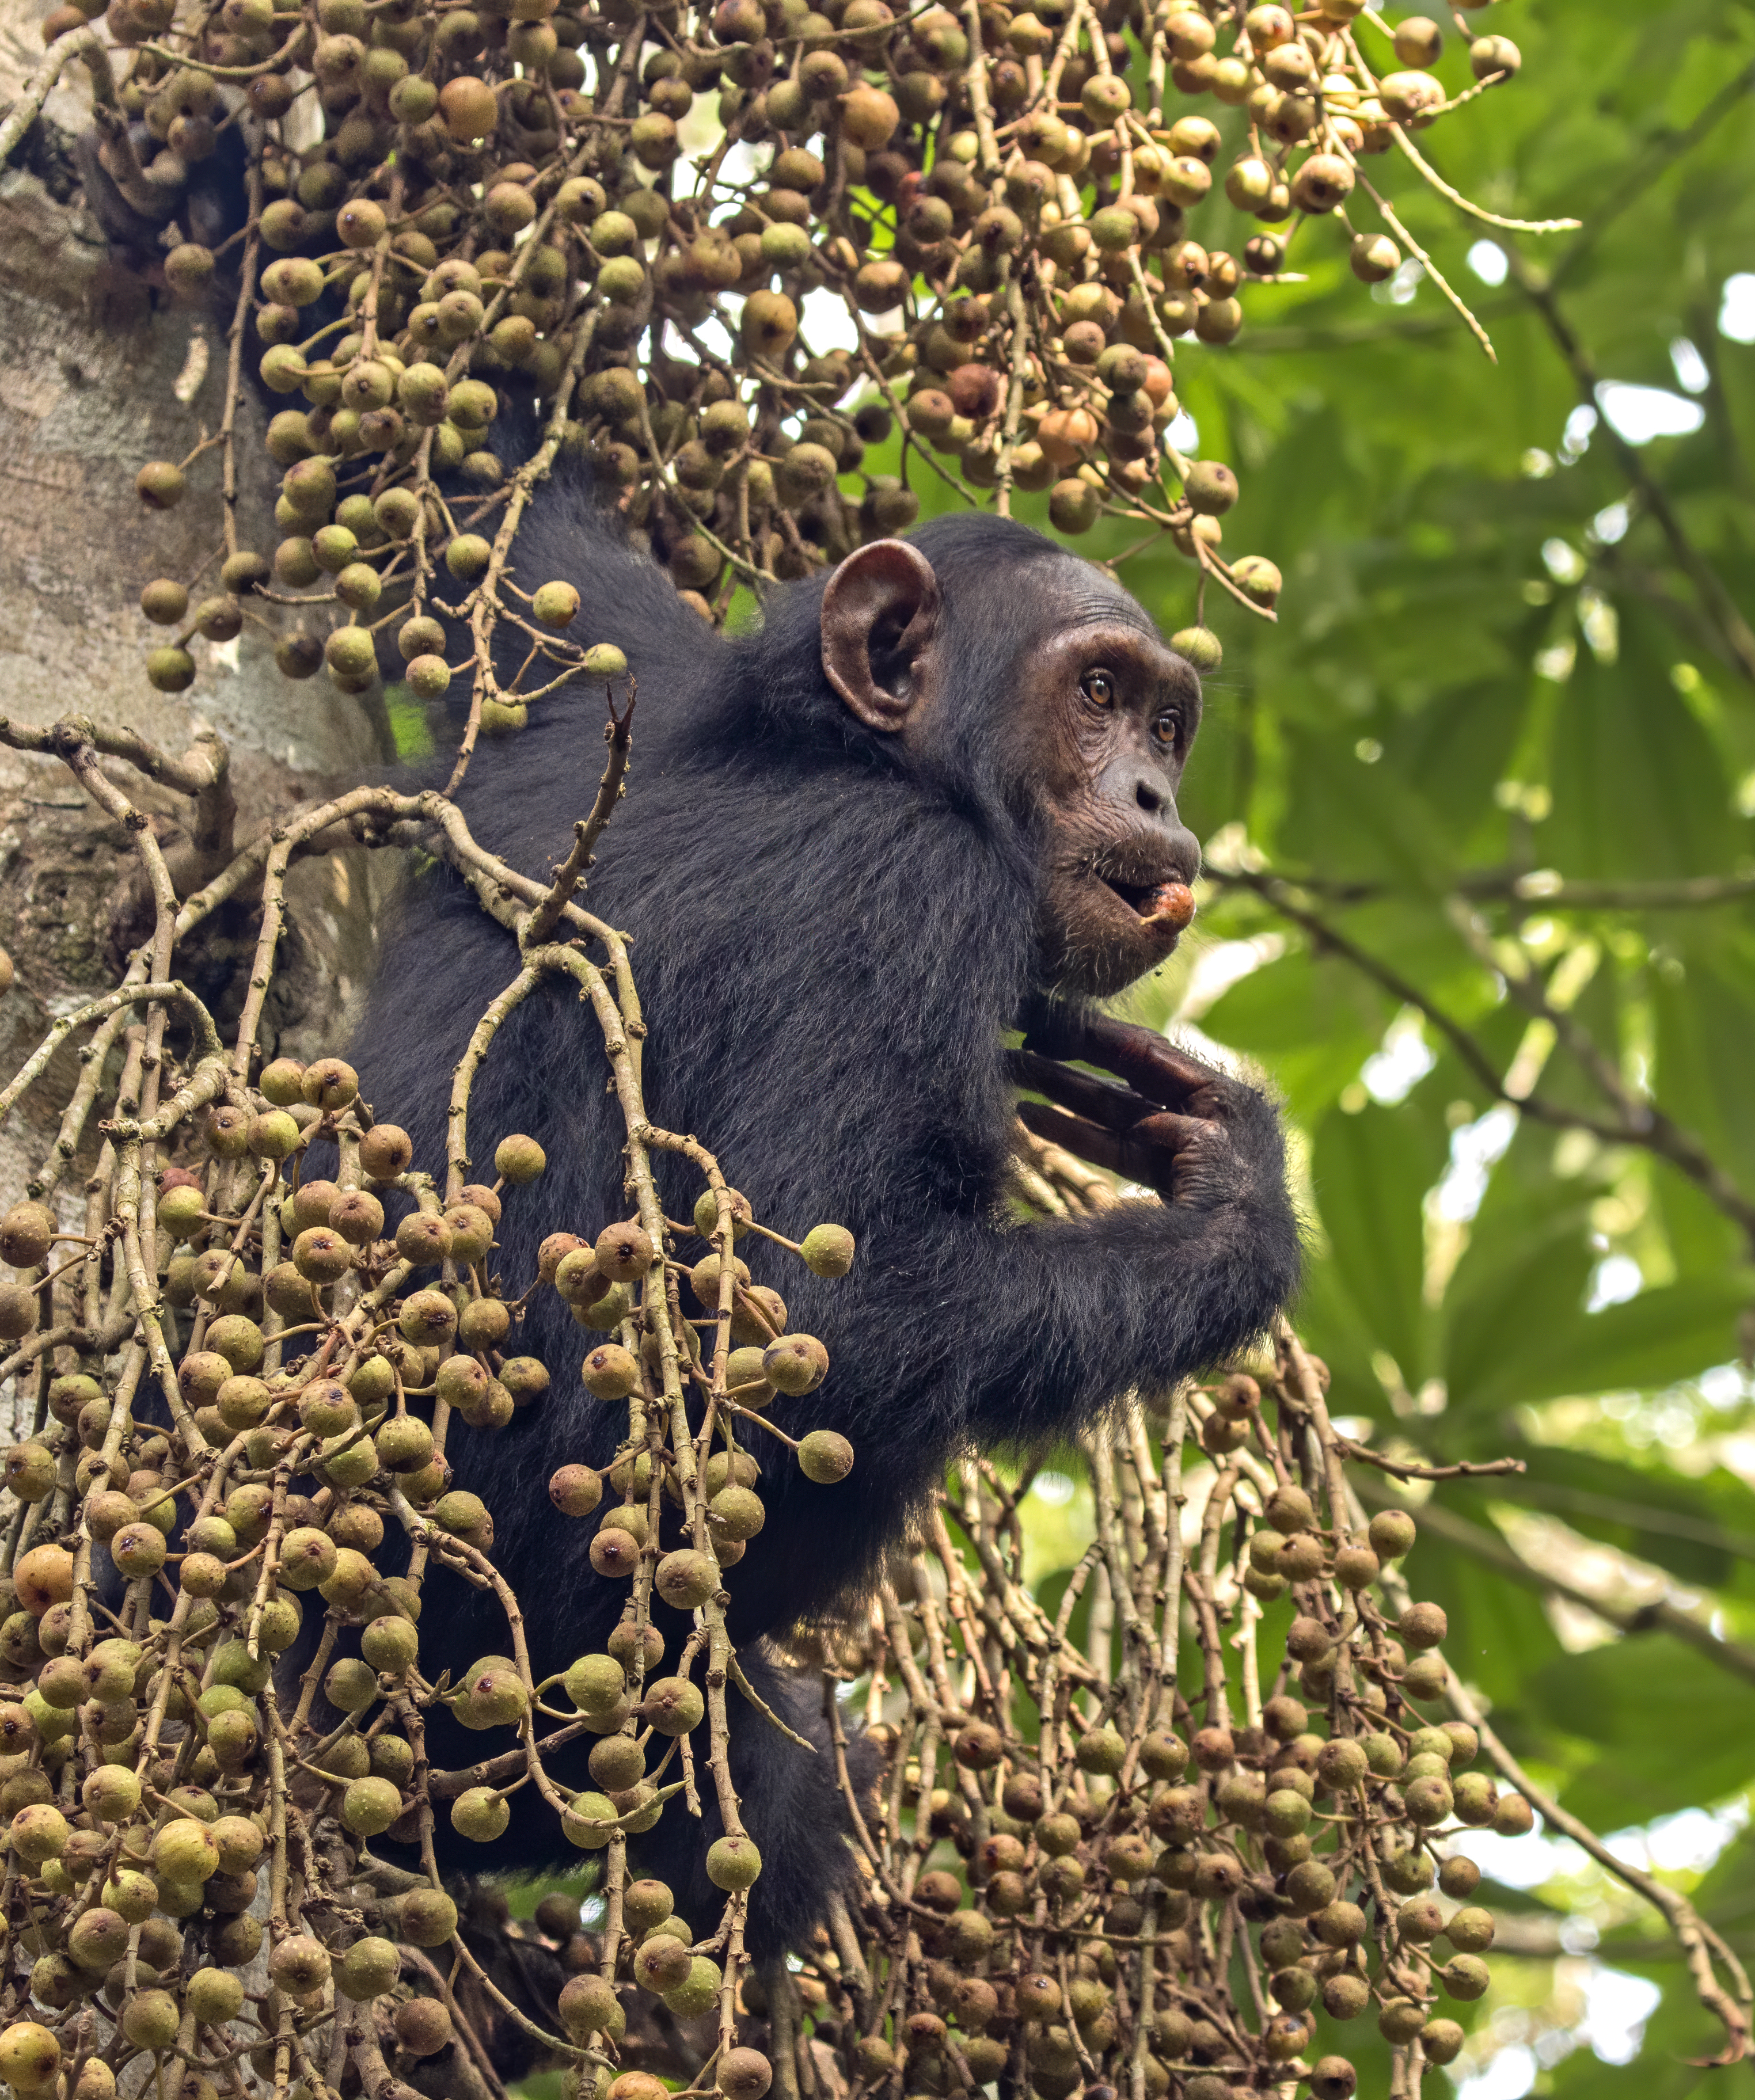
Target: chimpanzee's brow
(1091,607)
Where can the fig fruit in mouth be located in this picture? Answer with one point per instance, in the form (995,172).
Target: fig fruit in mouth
(1170,904)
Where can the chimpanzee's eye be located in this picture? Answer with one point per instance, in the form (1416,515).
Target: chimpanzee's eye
(1168,727)
(1099,688)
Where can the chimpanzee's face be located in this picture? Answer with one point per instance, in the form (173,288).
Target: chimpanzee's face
(1108,717)
(1093,717)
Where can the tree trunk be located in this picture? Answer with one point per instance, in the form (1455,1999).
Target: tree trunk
(98,374)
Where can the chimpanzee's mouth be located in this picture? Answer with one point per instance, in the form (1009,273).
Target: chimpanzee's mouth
(1137,895)
(1167,906)
(1141,897)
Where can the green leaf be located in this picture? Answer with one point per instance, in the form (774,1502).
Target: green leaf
(1521,1281)
(1550,1348)
(1372,1171)
(1639,790)
(1666,1728)
(1705,1012)
(1699,1530)
(1312,1023)
(410,727)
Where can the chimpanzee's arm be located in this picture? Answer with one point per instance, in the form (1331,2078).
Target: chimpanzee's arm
(1146,1293)
(1028,1332)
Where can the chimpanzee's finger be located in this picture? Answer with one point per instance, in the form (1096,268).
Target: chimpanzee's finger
(1116,1108)
(1152,1065)
(1149,1064)
(1088,1141)
(1157,1149)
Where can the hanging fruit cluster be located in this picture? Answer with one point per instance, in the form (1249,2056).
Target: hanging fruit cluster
(1104,1862)
(238,1375)
(767,265)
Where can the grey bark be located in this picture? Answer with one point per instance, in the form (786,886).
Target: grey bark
(99,374)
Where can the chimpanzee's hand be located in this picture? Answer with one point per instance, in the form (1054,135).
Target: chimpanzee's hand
(1177,1125)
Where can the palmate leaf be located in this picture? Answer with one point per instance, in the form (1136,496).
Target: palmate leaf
(1701,1239)
(1372,1171)
(1651,1340)
(1702,1531)
(1457,754)
(1329,1321)
(1666,1727)
(1549,1347)
(1639,792)
(1312,1024)
(1358,820)
(1521,1280)
(1705,1015)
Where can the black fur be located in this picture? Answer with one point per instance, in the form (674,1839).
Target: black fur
(828,942)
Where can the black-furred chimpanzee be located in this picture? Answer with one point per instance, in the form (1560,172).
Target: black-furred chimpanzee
(929,801)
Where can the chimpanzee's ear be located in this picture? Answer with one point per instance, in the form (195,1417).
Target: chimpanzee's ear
(880,620)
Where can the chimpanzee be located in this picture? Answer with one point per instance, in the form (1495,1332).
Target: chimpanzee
(929,801)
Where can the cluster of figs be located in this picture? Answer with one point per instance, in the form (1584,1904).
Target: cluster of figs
(777,270)
(213,1686)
